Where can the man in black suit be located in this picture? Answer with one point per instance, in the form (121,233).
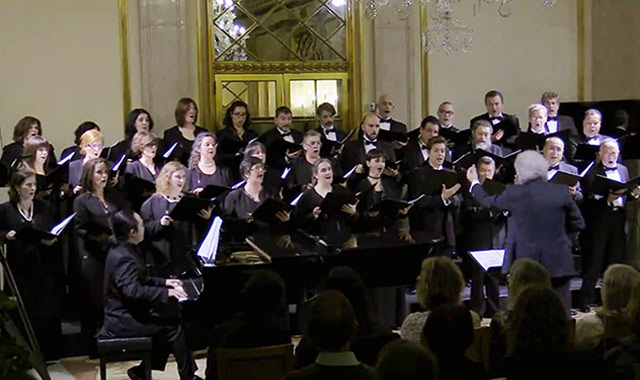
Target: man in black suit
(482,229)
(541,214)
(434,215)
(136,304)
(591,125)
(604,241)
(282,131)
(553,151)
(556,122)
(331,324)
(446,116)
(506,127)
(385,107)
(416,152)
(325,114)
(355,152)
(481,132)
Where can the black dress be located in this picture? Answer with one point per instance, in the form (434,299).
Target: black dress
(196,178)
(336,226)
(135,191)
(183,149)
(382,222)
(167,249)
(38,272)
(230,147)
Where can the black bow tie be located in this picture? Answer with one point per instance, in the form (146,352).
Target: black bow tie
(606,169)
(424,147)
(552,118)
(557,167)
(285,134)
(368,142)
(328,129)
(496,118)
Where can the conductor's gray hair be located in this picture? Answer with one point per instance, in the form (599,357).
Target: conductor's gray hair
(530,166)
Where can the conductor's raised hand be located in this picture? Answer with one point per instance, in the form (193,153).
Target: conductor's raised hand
(472,174)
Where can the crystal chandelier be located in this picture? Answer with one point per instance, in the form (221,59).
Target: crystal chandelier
(227,32)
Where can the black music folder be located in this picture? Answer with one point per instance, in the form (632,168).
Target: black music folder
(188,208)
(266,212)
(493,187)
(213,192)
(603,185)
(564,178)
(436,178)
(456,138)
(138,186)
(333,202)
(390,206)
(328,145)
(280,147)
(499,160)
(31,233)
(391,136)
(534,141)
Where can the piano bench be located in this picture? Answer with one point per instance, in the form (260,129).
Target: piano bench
(123,349)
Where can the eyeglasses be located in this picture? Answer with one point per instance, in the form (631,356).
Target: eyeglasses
(259,169)
(96,146)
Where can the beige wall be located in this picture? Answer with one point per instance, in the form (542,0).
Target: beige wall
(533,50)
(616,49)
(61,63)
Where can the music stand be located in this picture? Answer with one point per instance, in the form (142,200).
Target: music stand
(35,355)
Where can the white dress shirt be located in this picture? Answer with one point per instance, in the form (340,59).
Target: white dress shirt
(615,175)
(286,137)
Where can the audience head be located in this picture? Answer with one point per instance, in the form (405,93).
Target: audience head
(553,150)
(138,120)
(370,126)
(237,115)
(326,113)
(186,112)
(437,147)
(429,128)
(592,122)
(618,283)
(446,113)
(27,127)
(252,168)
(144,143)
(91,144)
(263,295)
(531,166)
(448,332)
(171,179)
(539,326)
(82,128)
(95,176)
(322,172)
(283,118)
(385,106)
(523,273)
(128,226)
(405,360)
(36,150)
(311,144)
(256,149)
(486,168)
(633,310)
(204,148)
(481,132)
(551,100)
(440,282)
(376,162)
(494,101)
(537,118)
(348,282)
(331,322)
(22,186)
(609,152)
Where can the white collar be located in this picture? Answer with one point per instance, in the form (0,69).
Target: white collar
(337,359)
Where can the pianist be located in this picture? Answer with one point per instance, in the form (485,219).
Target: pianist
(134,300)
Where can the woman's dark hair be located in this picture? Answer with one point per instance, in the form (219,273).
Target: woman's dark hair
(405,360)
(375,153)
(252,147)
(228,121)
(246,165)
(263,295)
(538,324)
(123,222)
(23,126)
(348,282)
(181,110)
(82,128)
(130,124)
(16,180)
(31,147)
(86,181)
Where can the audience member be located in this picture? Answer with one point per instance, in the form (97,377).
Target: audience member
(404,360)
(621,359)
(371,335)
(440,283)
(331,324)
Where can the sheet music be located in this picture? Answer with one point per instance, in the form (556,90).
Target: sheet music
(490,258)
(285,172)
(252,140)
(239,184)
(170,150)
(296,200)
(350,172)
(68,157)
(585,171)
(116,167)
(417,199)
(208,249)
(57,229)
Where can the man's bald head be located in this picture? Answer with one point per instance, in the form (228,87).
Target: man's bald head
(370,125)
(385,106)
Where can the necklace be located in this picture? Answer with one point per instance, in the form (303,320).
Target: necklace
(28,215)
(172,199)
(207,165)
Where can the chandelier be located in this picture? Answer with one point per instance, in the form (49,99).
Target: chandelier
(229,37)
(445,32)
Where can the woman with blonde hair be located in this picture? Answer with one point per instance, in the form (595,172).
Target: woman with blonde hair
(203,167)
(91,144)
(440,282)
(167,241)
(144,146)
